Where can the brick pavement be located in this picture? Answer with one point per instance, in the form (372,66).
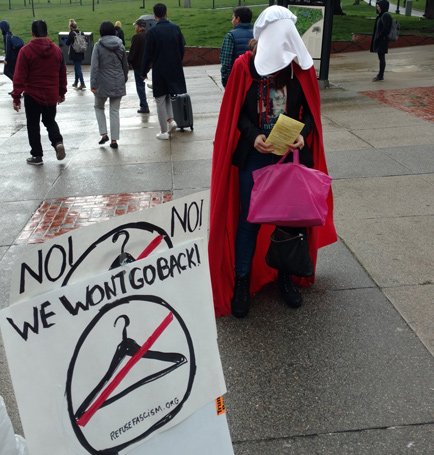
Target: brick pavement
(58,216)
(417,101)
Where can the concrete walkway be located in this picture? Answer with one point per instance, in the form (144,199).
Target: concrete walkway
(351,372)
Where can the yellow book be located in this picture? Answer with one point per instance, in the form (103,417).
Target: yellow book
(284,133)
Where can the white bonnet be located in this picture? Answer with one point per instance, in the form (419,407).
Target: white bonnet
(279,42)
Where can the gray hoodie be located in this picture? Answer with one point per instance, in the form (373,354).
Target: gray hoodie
(109,67)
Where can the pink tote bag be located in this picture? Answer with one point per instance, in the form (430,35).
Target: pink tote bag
(289,194)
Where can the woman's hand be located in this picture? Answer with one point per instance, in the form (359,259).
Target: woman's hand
(261,146)
(93,89)
(298,144)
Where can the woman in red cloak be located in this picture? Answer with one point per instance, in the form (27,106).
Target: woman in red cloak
(278,77)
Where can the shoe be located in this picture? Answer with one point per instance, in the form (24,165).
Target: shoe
(163,136)
(82,87)
(143,110)
(60,151)
(114,145)
(240,303)
(75,84)
(104,139)
(378,78)
(290,293)
(172,126)
(35,161)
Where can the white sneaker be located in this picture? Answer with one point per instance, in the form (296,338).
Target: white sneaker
(172,126)
(163,136)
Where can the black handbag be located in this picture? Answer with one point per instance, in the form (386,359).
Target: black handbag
(289,252)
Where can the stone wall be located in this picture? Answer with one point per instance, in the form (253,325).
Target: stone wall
(195,56)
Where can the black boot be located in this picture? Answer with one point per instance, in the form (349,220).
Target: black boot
(290,293)
(241,300)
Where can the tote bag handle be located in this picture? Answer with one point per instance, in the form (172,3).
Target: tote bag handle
(295,160)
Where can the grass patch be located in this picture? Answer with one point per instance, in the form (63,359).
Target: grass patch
(201,25)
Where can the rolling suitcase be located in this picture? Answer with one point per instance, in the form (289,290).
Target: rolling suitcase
(182,111)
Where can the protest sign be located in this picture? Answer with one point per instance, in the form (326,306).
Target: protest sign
(101,365)
(99,247)
(204,432)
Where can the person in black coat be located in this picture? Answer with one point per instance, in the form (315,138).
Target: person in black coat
(164,51)
(119,32)
(76,57)
(135,60)
(380,39)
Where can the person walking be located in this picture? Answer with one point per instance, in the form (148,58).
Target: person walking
(135,60)
(12,45)
(75,56)
(108,75)
(236,42)
(164,51)
(380,36)
(119,32)
(40,74)
(278,77)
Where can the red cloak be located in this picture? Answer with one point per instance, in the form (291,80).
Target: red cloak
(224,202)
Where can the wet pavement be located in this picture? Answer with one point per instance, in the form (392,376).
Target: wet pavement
(351,372)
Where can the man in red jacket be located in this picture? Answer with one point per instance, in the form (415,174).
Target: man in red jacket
(40,74)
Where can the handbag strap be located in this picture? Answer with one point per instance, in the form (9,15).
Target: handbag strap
(295,160)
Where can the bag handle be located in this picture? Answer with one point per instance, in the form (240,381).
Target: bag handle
(295,160)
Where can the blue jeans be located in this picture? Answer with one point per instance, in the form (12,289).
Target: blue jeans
(78,72)
(245,241)
(140,87)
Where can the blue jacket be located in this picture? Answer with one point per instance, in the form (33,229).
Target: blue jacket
(242,34)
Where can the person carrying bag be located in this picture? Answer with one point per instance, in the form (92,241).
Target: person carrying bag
(276,77)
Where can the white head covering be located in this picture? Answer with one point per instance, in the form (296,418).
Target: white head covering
(279,42)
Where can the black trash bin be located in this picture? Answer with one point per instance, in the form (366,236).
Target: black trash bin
(63,36)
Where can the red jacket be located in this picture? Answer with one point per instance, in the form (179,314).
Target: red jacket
(40,72)
(224,209)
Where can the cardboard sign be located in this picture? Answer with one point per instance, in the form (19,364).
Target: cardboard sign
(111,360)
(93,249)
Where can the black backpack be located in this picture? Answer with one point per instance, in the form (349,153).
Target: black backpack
(394,31)
(16,44)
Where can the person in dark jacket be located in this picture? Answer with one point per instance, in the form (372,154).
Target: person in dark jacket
(164,51)
(236,42)
(4,27)
(135,60)
(11,53)
(40,74)
(380,40)
(119,32)
(76,57)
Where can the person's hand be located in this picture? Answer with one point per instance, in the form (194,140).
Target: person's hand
(261,146)
(93,89)
(61,99)
(298,144)
(16,105)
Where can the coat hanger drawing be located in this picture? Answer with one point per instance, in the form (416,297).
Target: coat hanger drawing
(123,257)
(127,348)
